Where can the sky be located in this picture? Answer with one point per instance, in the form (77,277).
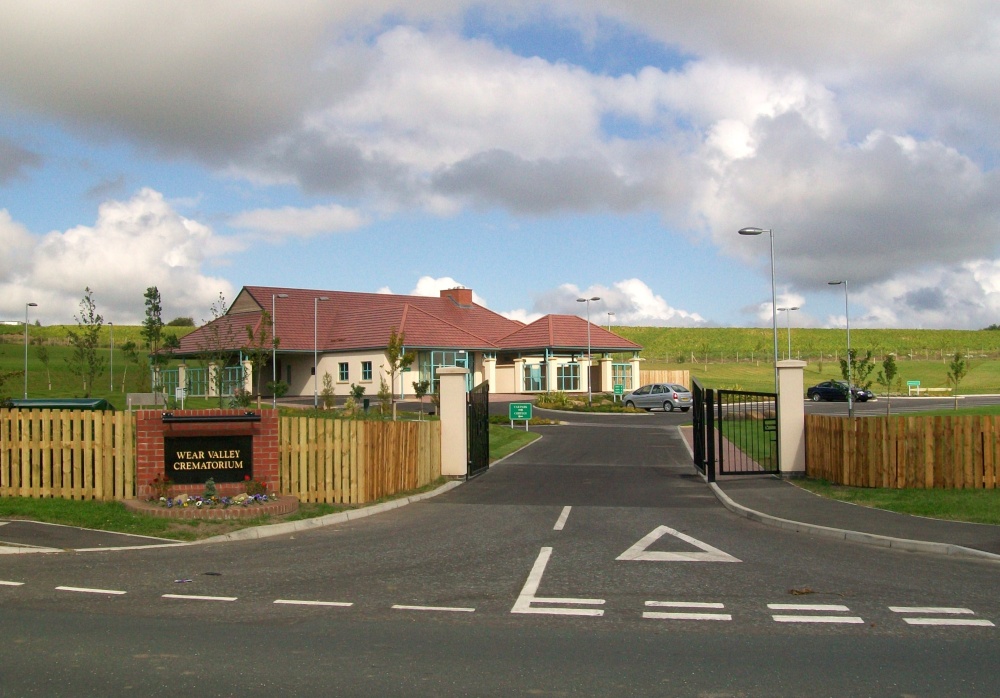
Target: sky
(534,151)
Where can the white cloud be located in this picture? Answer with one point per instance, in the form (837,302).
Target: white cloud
(300,222)
(631,300)
(133,244)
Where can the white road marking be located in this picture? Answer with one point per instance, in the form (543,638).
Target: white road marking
(295,602)
(806,607)
(85,590)
(193,597)
(942,610)
(527,597)
(949,621)
(836,608)
(639,552)
(817,619)
(451,609)
(685,615)
(11,584)
(931,609)
(561,522)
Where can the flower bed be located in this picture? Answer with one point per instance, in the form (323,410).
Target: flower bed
(196,508)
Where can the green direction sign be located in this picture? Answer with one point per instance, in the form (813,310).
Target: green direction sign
(520,411)
(619,389)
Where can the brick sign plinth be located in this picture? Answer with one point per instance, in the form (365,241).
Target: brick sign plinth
(191,446)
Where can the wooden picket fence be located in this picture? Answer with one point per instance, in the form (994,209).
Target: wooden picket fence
(905,451)
(353,462)
(72,454)
(68,454)
(663,376)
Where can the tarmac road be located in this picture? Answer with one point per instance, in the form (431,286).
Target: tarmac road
(594,562)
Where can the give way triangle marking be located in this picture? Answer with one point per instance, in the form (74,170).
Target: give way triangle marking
(639,550)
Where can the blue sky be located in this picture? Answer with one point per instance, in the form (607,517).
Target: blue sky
(535,153)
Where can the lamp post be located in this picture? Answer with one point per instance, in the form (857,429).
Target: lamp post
(274,352)
(26,306)
(788,318)
(111,328)
(610,315)
(589,358)
(774,310)
(315,350)
(847,318)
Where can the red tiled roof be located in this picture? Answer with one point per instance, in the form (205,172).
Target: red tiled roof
(566,332)
(353,321)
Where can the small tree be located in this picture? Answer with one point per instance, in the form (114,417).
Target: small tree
(385,398)
(886,376)
(85,361)
(152,325)
(420,389)
(397,361)
(957,370)
(327,393)
(860,370)
(42,354)
(259,346)
(217,346)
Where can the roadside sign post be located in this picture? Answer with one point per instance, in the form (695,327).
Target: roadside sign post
(911,386)
(619,391)
(518,412)
(179,394)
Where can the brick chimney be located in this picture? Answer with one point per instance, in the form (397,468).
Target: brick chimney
(459,296)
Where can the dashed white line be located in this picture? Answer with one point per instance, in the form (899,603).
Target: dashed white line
(832,608)
(561,522)
(685,615)
(448,609)
(86,590)
(193,597)
(298,602)
(11,584)
(942,610)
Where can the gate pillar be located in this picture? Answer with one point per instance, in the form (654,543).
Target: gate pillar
(454,430)
(792,413)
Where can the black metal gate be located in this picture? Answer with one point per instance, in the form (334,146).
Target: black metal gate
(478,410)
(735,432)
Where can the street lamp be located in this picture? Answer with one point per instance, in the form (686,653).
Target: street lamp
(274,353)
(847,318)
(589,358)
(788,318)
(774,311)
(610,315)
(111,328)
(26,306)
(315,351)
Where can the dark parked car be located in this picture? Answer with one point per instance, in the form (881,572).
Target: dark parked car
(837,390)
(669,396)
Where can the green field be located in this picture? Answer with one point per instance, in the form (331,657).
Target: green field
(730,358)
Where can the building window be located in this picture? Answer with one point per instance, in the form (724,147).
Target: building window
(366,370)
(621,374)
(568,377)
(534,377)
(343,374)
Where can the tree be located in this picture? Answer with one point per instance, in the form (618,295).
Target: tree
(85,361)
(259,346)
(860,371)
(397,361)
(957,370)
(328,394)
(131,352)
(181,322)
(217,346)
(886,376)
(152,325)
(42,354)
(420,389)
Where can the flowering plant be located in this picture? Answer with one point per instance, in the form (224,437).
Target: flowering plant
(254,487)
(161,486)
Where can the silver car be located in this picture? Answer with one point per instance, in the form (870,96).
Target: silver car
(669,396)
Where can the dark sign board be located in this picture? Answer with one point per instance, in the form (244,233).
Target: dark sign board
(192,460)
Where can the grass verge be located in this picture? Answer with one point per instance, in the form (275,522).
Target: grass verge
(504,440)
(973,506)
